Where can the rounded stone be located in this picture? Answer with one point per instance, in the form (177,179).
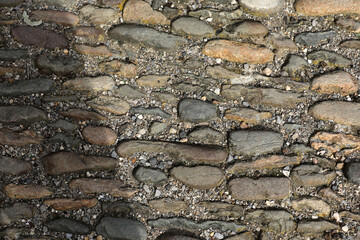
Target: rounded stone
(263,7)
(99,135)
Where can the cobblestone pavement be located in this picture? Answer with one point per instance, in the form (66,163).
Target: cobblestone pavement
(179,119)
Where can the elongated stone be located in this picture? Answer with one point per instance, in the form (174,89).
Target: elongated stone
(247,115)
(315,227)
(95,84)
(15,213)
(326,7)
(81,114)
(336,82)
(311,176)
(24,138)
(66,204)
(59,3)
(168,205)
(192,27)
(119,68)
(39,85)
(222,209)
(153,80)
(99,135)
(196,111)
(355,44)
(150,111)
(121,208)
(178,152)
(316,206)
(10,3)
(272,220)
(59,65)
(21,115)
(331,59)
(27,191)
(101,50)
(99,16)
(12,166)
(110,104)
(59,17)
(12,55)
(261,7)
(121,228)
(68,226)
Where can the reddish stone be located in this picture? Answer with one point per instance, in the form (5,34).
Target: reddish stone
(99,135)
(10,137)
(27,191)
(62,18)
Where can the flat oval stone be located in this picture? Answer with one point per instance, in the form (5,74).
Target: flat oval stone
(331,59)
(193,27)
(247,115)
(200,177)
(263,7)
(12,166)
(66,204)
(68,226)
(153,80)
(10,3)
(313,205)
(27,191)
(272,220)
(21,115)
(336,82)
(39,37)
(92,84)
(168,205)
(59,65)
(196,111)
(81,114)
(59,3)
(326,7)
(121,228)
(311,176)
(352,172)
(12,55)
(20,139)
(99,16)
(315,227)
(149,175)
(62,18)
(110,104)
(99,135)
(17,88)
(15,213)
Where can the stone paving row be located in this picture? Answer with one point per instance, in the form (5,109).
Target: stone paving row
(179,119)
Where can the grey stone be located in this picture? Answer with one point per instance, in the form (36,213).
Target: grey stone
(263,7)
(59,65)
(12,166)
(312,205)
(242,236)
(295,64)
(121,228)
(120,208)
(21,115)
(149,175)
(64,138)
(12,233)
(193,27)
(197,111)
(272,220)
(92,84)
(188,88)
(311,176)
(165,97)
(158,127)
(211,96)
(69,98)
(352,172)
(147,36)
(68,226)
(355,44)
(64,125)
(10,3)
(254,143)
(15,213)
(311,39)
(12,55)
(110,104)
(315,227)
(206,135)
(59,3)
(174,236)
(164,205)
(150,111)
(129,92)
(219,18)
(26,87)
(331,59)
(222,209)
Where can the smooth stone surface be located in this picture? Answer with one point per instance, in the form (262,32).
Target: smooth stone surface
(12,55)
(110,104)
(21,115)
(121,228)
(193,27)
(352,172)
(315,227)
(20,139)
(254,143)
(326,7)
(12,166)
(247,115)
(150,111)
(119,68)
(92,84)
(66,204)
(99,16)
(149,175)
(59,17)
(355,44)
(311,176)
(272,220)
(313,205)
(263,7)
(206,135)
(81,114)
(59,65)
(121,208)
(26,87)
(335,82)
(222,209)
(155,81)
(64,125)
(196,111)
(68,162)
(10,3)
(100,50)
(99,135)
(168,205)
(245,29)
(68,226)
(311,39)
(331,59)
(15,213)
(27,191)
(129,92)
(174,236)
(59,3)
(158,127)
(263,188)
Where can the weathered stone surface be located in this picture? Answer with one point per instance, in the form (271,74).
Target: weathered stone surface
(68,162)
(331,59)
(6,71)
(60,98)
(263,96)
(337,144)
(65,139)
(59,65)
(311,39)
(39,85)
(263,188)
(326,7)
(68,226)
(244,29)
(58,17)
(15,213)
(119,68)
(347,214)
(149,175)
(196,111)
(154,81)
(146,36)
(272,220)
(39,37)
(355,44)
(12,55)
(64,125)
(261,7)
(81,114)
(219,18)
(140,12)
(110,104)
(219,72)
(99,135)
(242,236)
(186,224)
(199,177)
(336,82)
(222,209)
(121,228)
(274,161)
(66,204)
(178,152)
(295,64)
(345,113)
(328,193)
(314,227)
(254,143)
(349,24)
(247,115)
(237,52)
(150,111)
(101,50)
(174,236)
(12,166)
(311,176)
(279,41)
(10,3)
(59,3)
(21,115)
(352,172)
(99,15)
(27,191)
(120,208)
(316,206)
(12,138)
(113,187)
(192,27)
(12,233)
(168,205)
(89,33)
(158,127)
(129,92)
(206,135)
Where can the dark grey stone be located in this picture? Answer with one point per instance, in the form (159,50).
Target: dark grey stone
(15,213)
(197,111)
(314,38)
(59,65)
(68,226)
(272,220)
(121,228)
(13,166)
(130,92)
(21,115)
(150,111)
(10,3)
(352,172)
(39,85)
(149,175)
(121,209)
(12,55)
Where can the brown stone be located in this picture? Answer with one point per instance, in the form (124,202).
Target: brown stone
(10,3)
(12,166)
(152,81)
(113,187)
(327,7)
(345,113)
(81,114)
(336,82)
(338,145)
(68,162)
(92,84)
(315,227)
(110,104)
(222,209)
(113,3)
(247,115)
(119,68)
(27,191)
(349,24)
(21,115)
(66,204)
(140,12)
(99,16)
(263,188)
(99,135)
(62,18)
(12,138)
(168,205)
(353,216)
(177,151)
(351,44)
(275,161)
(92,33)
(237,52)
(39,37)
(330,194)
(102,50)
(311,176)
(11,70)
(316,206)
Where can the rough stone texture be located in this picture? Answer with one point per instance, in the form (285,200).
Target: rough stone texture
(311,176)
(331,59)
(336,82)
(345,113)
(219,72)
(347,214)
(88,33)
(99,135)
(311,39)
(316,206)
(222,209)
(99,15)
(247,115)
(263,188)
(174,236)
(10,3)
(101,50)
(199,177)
(279,41)
(59,65)
(244,29)
(295,64)
(315,227)
(21,115)
(206,135)
(66,204)
(129,92)
(196,111)
(272,220)
(59,3)
(326,7)
(12,55)
(120,228)
(39,37)
(62,18)
(178,152)
(150,111)
(149,175)
(237,52)
(20,139)
(168,206)
(81,114)
(68,226)
(261,7)
(351,44)
(95,84)
(219,18)
(32,86)
(121,208)
(146,36)
(242,236)
(140,12)
(254,143)
(154,81)
(110,104)
(15,213)
(27,191)
(349,24)
(119,68)
(68,162)
(352,172)
(192,27)
(12,166)
(64,125)
(113,187)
